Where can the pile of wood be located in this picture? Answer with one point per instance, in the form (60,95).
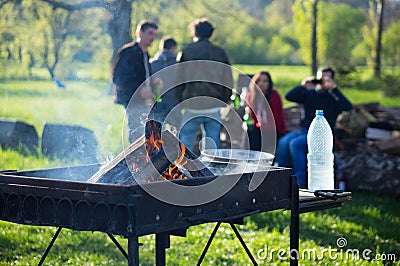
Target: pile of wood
(153,157)
(370,171)
(380,133)
(371,161)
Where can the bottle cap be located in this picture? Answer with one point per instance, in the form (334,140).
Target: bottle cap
(319,112)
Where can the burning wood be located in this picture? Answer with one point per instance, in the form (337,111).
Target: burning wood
(155,156)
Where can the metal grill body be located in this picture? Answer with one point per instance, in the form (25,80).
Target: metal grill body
(46,198)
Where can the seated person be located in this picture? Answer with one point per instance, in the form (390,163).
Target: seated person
(314,94)
(268,123)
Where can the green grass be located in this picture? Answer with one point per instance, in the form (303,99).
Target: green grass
(367,222)
(87,104)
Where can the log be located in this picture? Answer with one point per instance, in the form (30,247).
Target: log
(370,171)
(69,141)
(391,146)
(134,160)
(195,167)
(16,135)
(154,169)
(117,170)
(166,157)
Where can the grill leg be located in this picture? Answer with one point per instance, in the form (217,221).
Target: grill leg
(49,246)
(162,242)
(133,250)
(203,254)
(118,245)
(294,223)
(243,243)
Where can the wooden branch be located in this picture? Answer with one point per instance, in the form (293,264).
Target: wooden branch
(132,166)
(5,2)
(154,169)
(119,168)
(193,165)
(79,6)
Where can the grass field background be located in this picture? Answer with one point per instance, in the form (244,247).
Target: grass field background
(368,222)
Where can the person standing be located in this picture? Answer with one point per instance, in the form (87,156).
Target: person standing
(268,123)
(314,94)
(207,85)
(131,72)
(165,57)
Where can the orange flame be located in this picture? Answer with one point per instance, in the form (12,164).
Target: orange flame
(153,144)
(173,171)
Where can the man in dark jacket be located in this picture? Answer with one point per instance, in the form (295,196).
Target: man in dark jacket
(313,94)
(132,70)
(206,72)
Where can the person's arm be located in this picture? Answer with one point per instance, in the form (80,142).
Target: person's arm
(123,80)
(297,94)
(342,102)
(120,70)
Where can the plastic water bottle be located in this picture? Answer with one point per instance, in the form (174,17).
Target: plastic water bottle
(320,156)
(243,96)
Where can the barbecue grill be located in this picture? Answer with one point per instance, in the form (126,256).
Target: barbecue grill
(60,197)
(116,201)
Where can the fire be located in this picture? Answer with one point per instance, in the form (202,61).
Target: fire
(173,171)
(153,144)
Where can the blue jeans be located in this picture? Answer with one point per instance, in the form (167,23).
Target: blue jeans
(192,122)
(291,151)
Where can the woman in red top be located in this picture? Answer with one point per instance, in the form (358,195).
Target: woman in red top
(268,122)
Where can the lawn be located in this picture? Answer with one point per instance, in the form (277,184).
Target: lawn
(369,223)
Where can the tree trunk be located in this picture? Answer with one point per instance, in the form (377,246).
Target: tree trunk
(377,62)
(314,60)
(119,26)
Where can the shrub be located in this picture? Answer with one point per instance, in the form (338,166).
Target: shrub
(391,85)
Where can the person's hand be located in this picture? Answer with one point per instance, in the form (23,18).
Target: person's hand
(308,82)
(158,83)
(147,94)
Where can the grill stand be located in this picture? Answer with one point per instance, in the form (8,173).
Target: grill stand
(162,243)
(49,246)
(133,250)
(294,230)
(114,240)
(214,232)
(294,223)
(163,239)
(119,246)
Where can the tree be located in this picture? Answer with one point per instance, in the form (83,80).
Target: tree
(340,26)
(13,41)
(377,62)
(305,20)
(54,38)
(119,26)
(4,2)
(314,59)
(391,46)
